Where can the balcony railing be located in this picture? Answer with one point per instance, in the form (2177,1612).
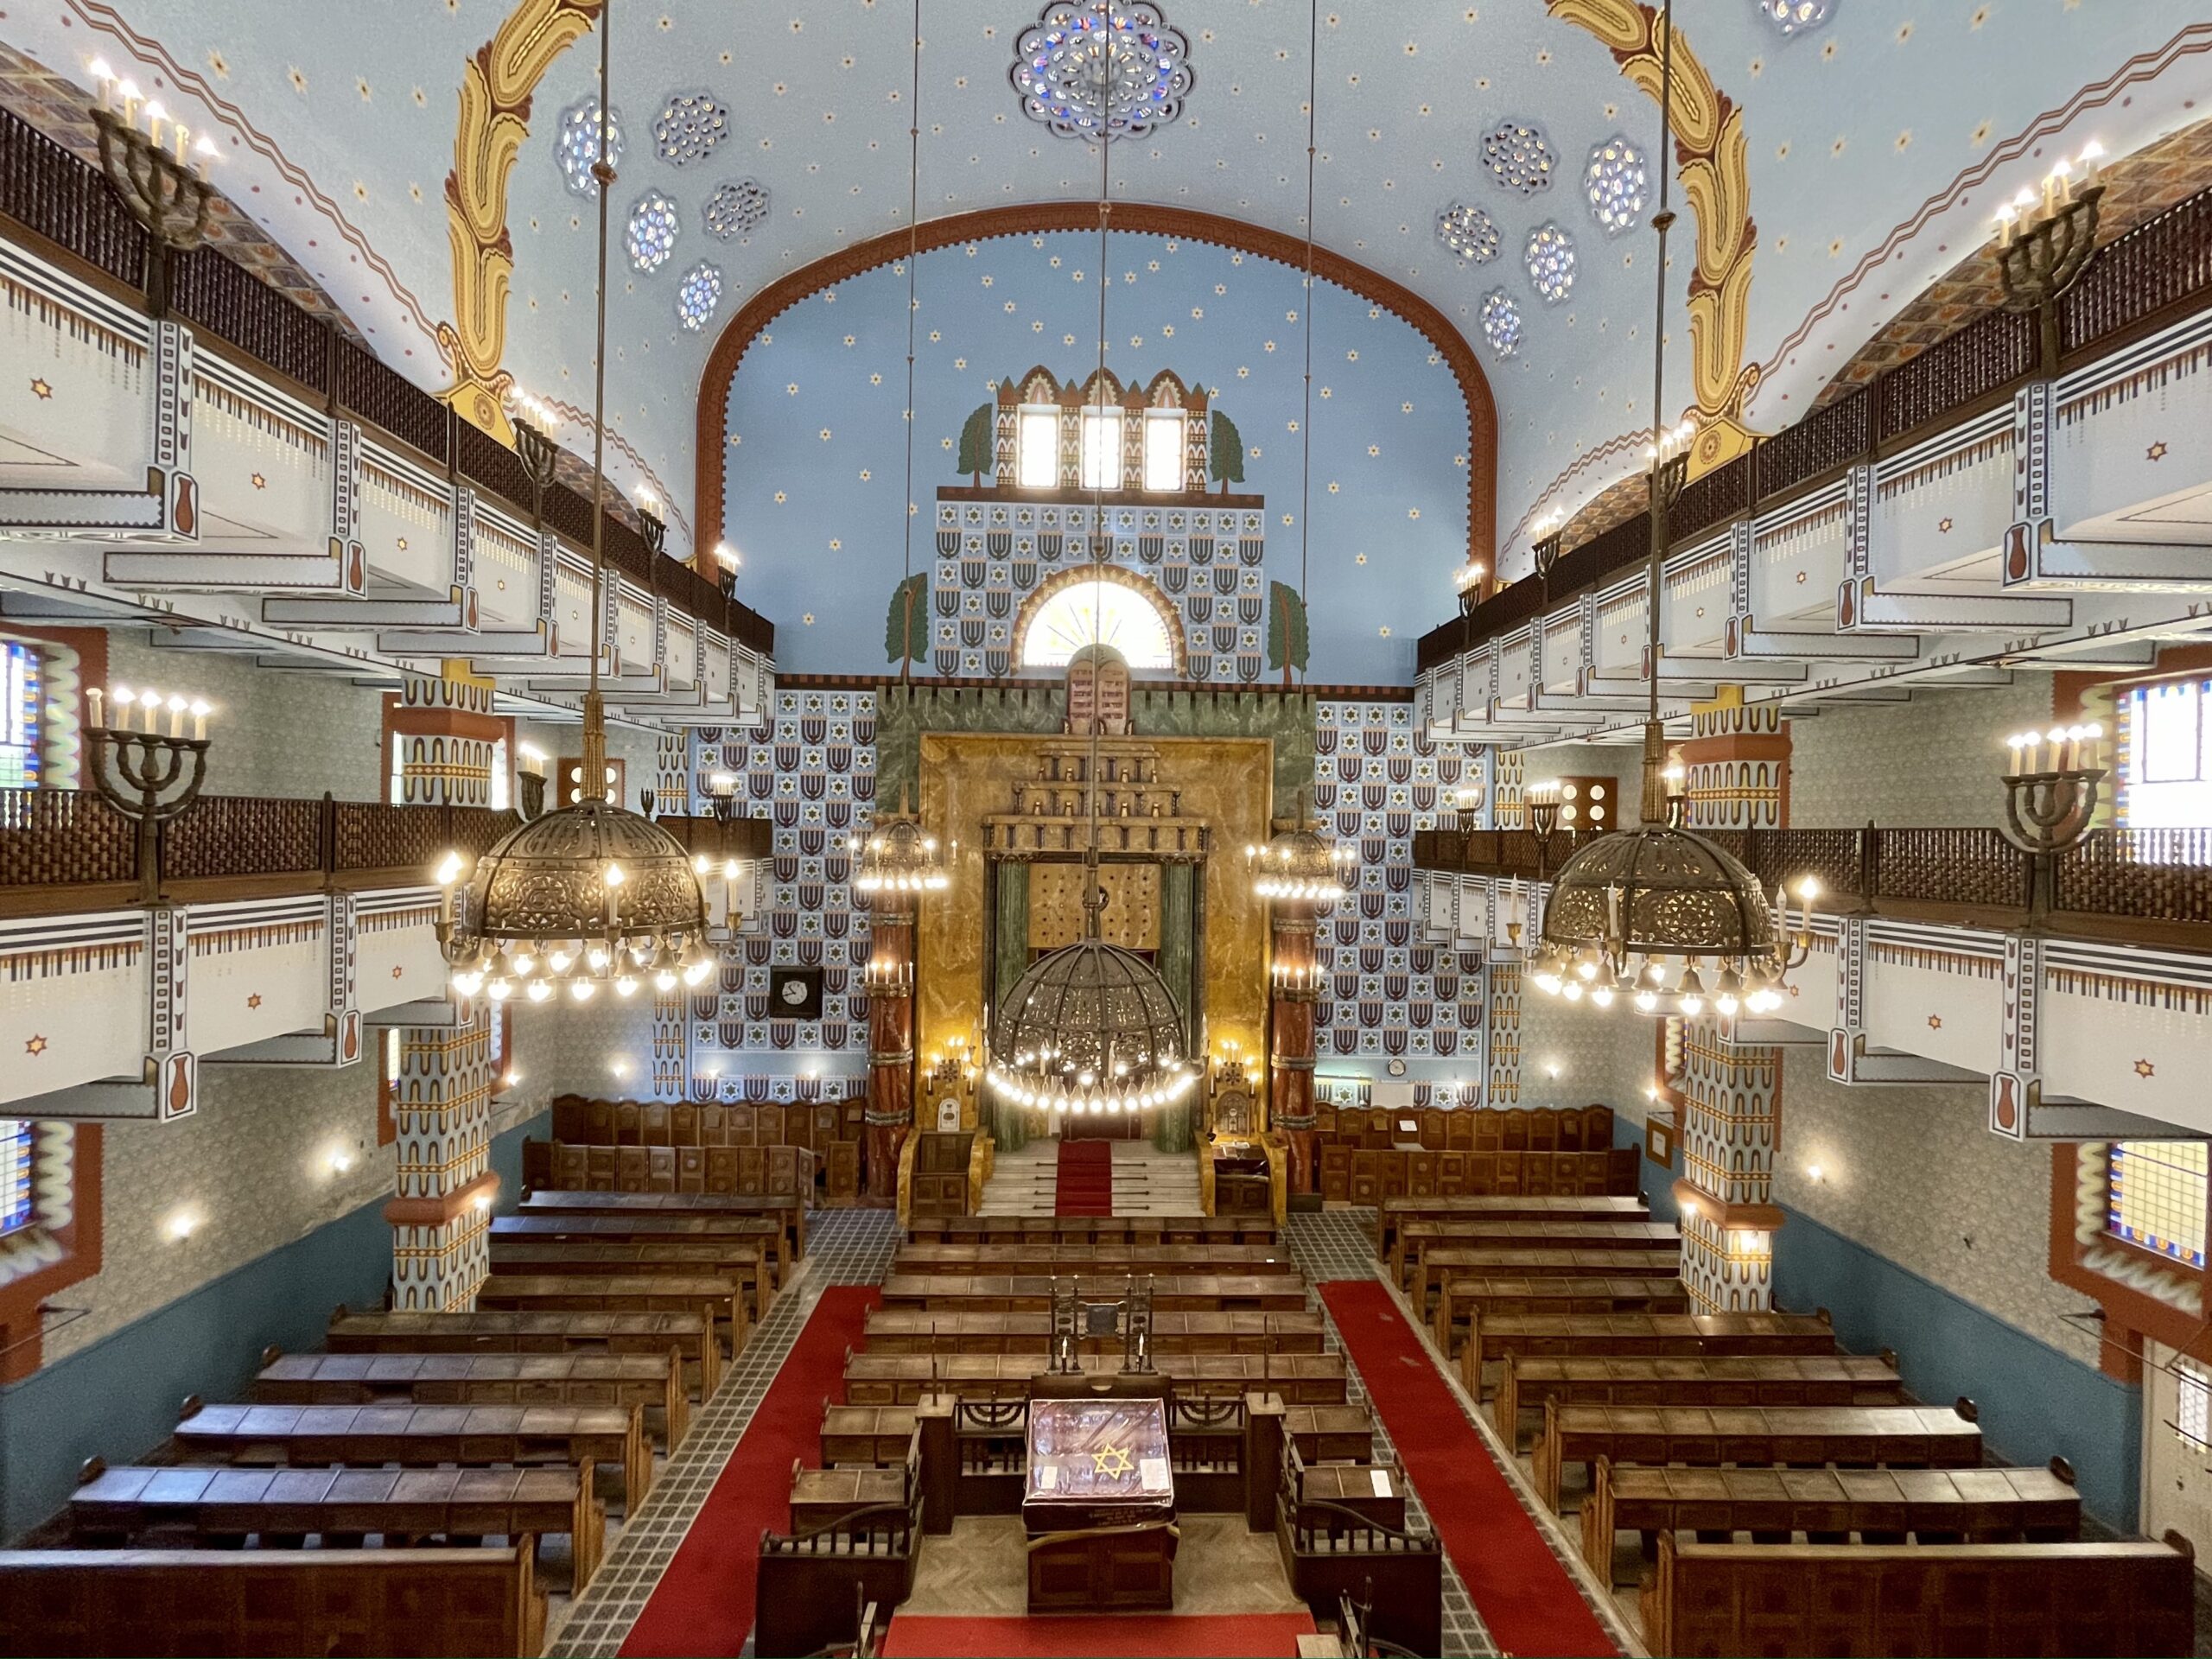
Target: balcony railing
(2135,282)
(2151,886)
(64,201)
(64,850)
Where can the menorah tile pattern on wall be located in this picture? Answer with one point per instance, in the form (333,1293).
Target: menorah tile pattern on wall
(810,771)
(1377,778)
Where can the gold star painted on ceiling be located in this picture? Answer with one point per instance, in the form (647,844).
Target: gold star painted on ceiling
(35,1048)
(2156,452)
(1943,526)
(259,482)
(1935,1022)
(1111,1460)
(396,970)
(2144,1069)
(41,390)
(254,1001)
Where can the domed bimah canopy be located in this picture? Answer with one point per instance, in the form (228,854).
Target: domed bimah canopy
(1090,1029)
(1649,913)
(588,895)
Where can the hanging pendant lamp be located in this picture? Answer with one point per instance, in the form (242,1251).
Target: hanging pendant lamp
(592,893)
(1091,1029)
(1661,917)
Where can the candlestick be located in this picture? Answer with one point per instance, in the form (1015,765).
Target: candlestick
(95,697)
(156,115)
(177,716)
(200,713)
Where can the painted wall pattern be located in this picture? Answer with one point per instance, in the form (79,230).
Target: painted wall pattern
(810,771)
(1377,778)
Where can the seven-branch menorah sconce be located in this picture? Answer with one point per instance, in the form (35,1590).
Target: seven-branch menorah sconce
(150,779)
(2042,246)
(2052,788)
(163,192)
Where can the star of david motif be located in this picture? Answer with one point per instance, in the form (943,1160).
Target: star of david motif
(1111,1460)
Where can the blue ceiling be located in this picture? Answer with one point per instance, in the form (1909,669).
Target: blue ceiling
(817,455)
(339,138)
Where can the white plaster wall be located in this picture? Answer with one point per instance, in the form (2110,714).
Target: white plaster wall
(275,734)
(1603,1055)
(1915,1175)
(1932,763)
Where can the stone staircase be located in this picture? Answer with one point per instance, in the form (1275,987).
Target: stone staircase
(1146,1182)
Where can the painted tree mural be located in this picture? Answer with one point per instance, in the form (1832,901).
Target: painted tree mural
(976,445)
(907,629)
(1226,453)
(1285,629)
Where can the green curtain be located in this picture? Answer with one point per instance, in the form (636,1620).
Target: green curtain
(1004,1120)
(1177,889)
(1171,1125)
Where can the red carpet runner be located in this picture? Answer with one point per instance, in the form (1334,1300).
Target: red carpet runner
(1251,1635)
(1520,1590)
(1085,1185)
(704,1602)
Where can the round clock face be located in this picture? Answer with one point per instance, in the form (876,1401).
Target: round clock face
(1397,1068)
(794,991)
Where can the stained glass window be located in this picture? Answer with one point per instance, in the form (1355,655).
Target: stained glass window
(2166,756)
(1102,613)
(2156,1189)
(14,1175)
(736,209)
(652,236)
(1502,323)
(1468,231)
(702,291)
(2192,1404)
(1550,259)
(23,694)
(1518,157)
(575,144)
(689,127)
(1794,17)
(1615,185)
(1088,66)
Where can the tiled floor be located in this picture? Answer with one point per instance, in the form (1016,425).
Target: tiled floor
(850,1247)
(844,1247)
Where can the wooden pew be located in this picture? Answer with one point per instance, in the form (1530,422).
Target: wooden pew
(1373,1492)
(572,1379)
(809,1583)
(822,1495)
(627,1228)
(879,1437)
(1882,1506)
(436,1604)
(1500,1295)
(1100,1260)
(1916,1437)
(1113,1229)
(745,1263)
(2062,1600)
(1330,1433)
(914,1330)
(1554,1256)
(882,1379)
(1751,1380)
(1330,1553)
(561,1201)
(690,1334)
(1644,1334)
(114,1506)
(1033,1292)
(1424,1239)
(416,1435)
(716,1297)
(1393,1212)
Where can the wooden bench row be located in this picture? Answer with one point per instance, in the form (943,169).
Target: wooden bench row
(692,1335)
(885,1379)
(1467,1129)
(1092,1260)
(270,1602)
(654,1383)
(1618,1246)
(787,1207)
(416,1436)
(1282,1292)
(282,1507)
(1083,1229)
(745,1265)
(772,1172)
(763,1233)
(1648,1335)
(914,1330)
(587,1122)
(1395,1213)
(1367,1175)
(1502,1294)
(717,1299)
(880,1436)
(1751,1380)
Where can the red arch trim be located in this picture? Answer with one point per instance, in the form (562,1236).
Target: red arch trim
(1185,224)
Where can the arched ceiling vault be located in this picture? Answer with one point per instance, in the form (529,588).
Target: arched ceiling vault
(1829,175)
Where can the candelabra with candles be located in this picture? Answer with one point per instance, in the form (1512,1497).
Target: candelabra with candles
(2052,784)
(1540,806)
(147,775)
(727,562)
(159,172)
(2043,243)
(651,525)
(535,421)
(883,976)
(1295,981)
(953,1070)
(1468,582)
(1547,536)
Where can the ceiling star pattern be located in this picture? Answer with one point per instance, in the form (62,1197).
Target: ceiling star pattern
(818,100)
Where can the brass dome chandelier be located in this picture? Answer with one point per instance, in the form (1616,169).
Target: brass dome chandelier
(898,857)
(1645,914)
(592,893)
(1091,1029)
(1299,863)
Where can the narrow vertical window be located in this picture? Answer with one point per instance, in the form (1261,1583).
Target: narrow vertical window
(1101,449)
(1163,449)
(1039,467)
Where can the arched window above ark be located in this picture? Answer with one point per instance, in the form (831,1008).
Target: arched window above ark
(1098,606)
